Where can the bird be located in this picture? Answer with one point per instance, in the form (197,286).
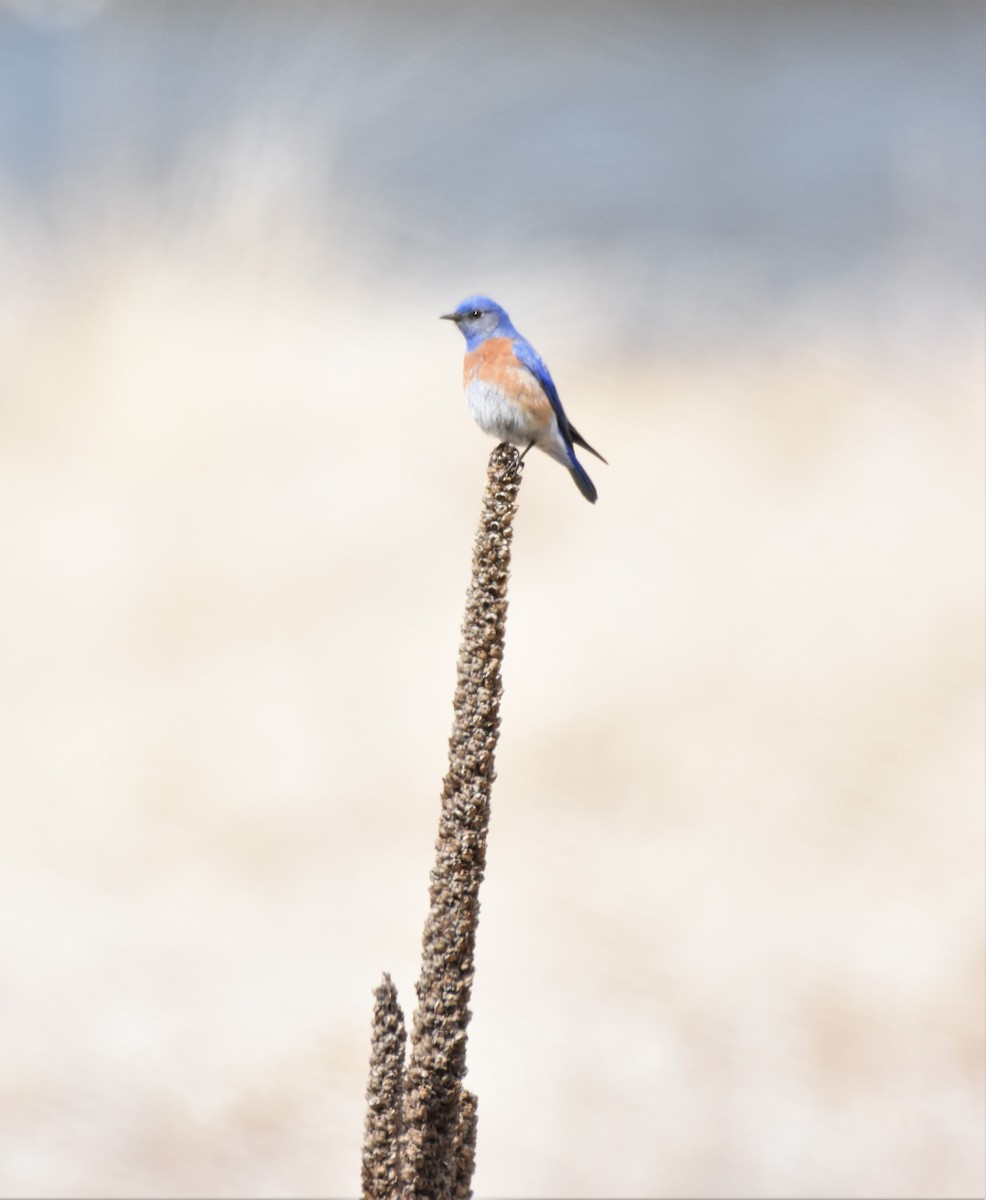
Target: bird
(510,391)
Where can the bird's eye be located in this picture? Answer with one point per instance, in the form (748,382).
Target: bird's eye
(475,313)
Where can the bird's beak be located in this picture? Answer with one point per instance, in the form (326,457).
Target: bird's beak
(448,317)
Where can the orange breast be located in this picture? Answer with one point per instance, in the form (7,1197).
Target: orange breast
(494,365)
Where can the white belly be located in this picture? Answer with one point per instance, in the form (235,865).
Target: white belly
(500,419)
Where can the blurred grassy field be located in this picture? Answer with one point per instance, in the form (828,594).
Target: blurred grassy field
(732,939)
(732,933)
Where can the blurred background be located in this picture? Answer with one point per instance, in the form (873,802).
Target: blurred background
(733,937)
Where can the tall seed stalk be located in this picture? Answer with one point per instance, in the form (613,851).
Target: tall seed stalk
(420,1141)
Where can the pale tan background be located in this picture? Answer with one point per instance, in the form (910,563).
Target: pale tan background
(732,933)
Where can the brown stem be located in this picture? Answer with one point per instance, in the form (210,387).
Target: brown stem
(439,1119)
(384,1097)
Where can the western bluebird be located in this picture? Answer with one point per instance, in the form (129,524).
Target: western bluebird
(511,395)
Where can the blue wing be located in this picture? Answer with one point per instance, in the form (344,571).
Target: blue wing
(530,358)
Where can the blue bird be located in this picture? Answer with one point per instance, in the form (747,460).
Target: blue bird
(510,392)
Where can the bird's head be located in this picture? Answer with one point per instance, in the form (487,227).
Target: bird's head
(479,317)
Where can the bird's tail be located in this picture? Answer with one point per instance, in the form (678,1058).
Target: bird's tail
(579,440)
(582,480)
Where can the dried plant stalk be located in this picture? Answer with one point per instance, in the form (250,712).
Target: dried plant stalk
(464,1148)
(426,1150)
(439,1129)
(384,1096)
